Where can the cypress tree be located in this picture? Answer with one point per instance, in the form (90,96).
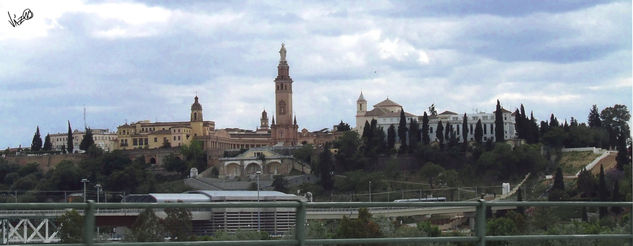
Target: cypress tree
(559,184)
(69,140)
(553,122)
(380,140)
(603,192)
(594,117)
(623,156)
(326,168)
(615,197)
(518,124)
(402,131)
(544,128)
(465,130)
(87,141)
(366,131)
(479,132)
(447,131)
(520,209)
(439,133)
(533,133)
(499,135)
(414,134)
(36,144)
(391,137)
(48,146)
(425,129)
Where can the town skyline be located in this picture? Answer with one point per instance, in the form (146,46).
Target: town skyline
(132,69)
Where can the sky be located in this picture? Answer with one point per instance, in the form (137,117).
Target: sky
(126,61)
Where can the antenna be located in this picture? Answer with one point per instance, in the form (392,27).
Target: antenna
(85,126)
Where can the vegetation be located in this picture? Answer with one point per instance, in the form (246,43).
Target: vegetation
(70,230)
(36,144)
(87,141)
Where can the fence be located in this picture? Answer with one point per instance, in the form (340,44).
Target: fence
(479,237)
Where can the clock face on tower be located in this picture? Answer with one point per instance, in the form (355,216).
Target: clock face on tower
(282,107)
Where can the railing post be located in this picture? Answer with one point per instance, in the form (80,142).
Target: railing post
(300,232)
(89,223)
(480,223)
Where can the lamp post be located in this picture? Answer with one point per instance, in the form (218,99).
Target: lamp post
(85,181)
(259,172)
(369,190)
(98,186)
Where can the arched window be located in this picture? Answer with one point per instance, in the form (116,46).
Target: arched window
(195,116)
(282,107)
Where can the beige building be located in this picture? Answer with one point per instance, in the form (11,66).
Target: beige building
(152,135)
(103,139)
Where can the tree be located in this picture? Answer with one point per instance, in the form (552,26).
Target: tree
(173,163)
(195,155)
(343,127)
(594,117)
(447,130)
(465,131)
(430,171)
(391,137)
(518,123)
(414,133)
(520,209)
(402,131)
(603,192)
(326,168)
(616,197)
(559,184)
(499,134)
(69,140)
(425,129)
(557,193)
(439,134)
(280,184)
(71,226)
(615,120)
(48,146)
(87,141)
(533,131)
(586,183)
(178,224)
(553,121)
(623,154)
(432,110)
(36,144)
(147,228)
(349,151)
(479,132)
(363,227)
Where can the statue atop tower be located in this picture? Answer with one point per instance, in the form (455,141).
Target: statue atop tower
(282,52)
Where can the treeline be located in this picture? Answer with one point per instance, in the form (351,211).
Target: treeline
(115,171)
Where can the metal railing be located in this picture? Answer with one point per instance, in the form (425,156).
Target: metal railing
(479,237)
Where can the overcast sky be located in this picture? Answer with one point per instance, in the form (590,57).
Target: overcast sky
(130,61)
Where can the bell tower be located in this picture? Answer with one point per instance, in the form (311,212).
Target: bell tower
(196,118)
(285,130)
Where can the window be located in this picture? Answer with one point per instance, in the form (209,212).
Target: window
(178,138)
(430,129)
(134,142)
(155,140)
(146,141)
(174,138)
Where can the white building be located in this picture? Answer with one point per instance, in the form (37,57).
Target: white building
(387,113)
(103,139)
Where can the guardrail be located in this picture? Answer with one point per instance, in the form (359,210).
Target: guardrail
(480,236)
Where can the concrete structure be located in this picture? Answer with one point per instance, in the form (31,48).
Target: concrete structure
(275,221)
(103,139)
(387,113)
(270,160)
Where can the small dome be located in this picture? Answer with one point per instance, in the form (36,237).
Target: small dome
(196,105)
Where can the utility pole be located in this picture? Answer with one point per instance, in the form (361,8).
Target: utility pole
(369,190)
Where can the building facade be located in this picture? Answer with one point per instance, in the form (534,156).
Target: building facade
(153,135)
(103,138)
(387,113)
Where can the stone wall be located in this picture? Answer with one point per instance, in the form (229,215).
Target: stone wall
(45,162)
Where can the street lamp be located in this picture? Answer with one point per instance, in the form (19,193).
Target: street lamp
(85,181)
(369,190)
(98,186)
(259,172)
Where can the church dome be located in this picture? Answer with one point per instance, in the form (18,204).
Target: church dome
(196,105)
